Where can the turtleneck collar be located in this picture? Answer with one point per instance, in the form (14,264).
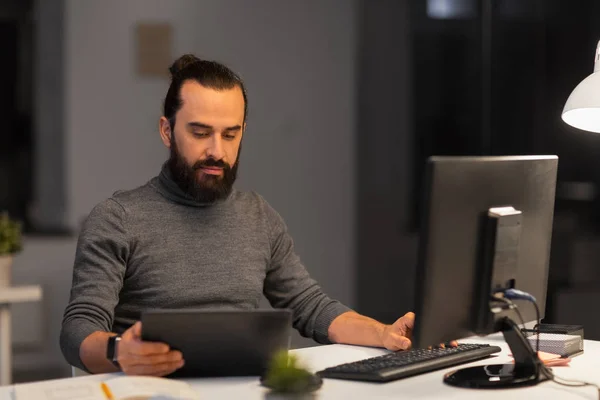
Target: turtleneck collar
(169,189)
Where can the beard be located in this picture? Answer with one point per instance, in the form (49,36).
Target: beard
(203,188)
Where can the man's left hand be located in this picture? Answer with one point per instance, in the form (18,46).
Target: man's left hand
(397,336)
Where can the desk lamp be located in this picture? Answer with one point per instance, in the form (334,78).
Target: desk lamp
(582,109)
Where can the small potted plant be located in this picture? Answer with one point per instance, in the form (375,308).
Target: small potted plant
(10,244)
(288,379)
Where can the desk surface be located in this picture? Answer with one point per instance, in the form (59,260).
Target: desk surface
(428,386)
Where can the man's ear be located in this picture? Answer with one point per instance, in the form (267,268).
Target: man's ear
(164,127)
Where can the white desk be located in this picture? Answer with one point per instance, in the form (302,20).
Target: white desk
(9,296)
(427,386)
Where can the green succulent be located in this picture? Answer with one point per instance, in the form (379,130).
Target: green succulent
(285,375)
(10,235)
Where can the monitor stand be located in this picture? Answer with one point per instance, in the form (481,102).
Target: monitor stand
(526,371)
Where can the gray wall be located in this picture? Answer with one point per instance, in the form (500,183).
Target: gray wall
(50,202)
(298,61)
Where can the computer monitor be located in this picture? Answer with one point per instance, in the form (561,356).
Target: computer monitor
(457,267)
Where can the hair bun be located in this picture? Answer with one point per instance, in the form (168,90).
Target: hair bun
(182,62)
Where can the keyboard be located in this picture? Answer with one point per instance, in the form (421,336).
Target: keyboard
(403,364)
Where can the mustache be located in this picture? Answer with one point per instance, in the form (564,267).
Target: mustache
(211,162)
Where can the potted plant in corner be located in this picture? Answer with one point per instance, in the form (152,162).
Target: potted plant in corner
(10,244)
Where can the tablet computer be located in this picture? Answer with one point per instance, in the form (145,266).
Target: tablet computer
(218,342)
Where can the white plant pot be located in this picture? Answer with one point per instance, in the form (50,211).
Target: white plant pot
(5,270)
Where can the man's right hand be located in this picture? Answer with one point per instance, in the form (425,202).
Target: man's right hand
(137,357)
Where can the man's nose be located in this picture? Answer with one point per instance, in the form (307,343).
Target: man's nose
(215,148)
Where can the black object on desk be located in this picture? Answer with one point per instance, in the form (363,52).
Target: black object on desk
(403,364)
(220,343)
(487,229)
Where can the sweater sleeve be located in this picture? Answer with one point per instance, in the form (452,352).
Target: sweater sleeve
(288,285)
(98,272)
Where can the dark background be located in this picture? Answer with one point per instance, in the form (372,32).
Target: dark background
(490,79)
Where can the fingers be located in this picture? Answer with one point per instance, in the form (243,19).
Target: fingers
(135,331)
(151,364)
(409,319)
(154,370)
(141,348)
(405,324)
(138,357)
(155,359)
(132,343)
(168,370)
(397,336)
(397,342)
(453,343)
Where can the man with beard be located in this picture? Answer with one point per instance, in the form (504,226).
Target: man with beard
(187,239)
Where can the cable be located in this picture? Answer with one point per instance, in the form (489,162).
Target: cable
(511,306)
(567,382)
(538,322)
(521,295)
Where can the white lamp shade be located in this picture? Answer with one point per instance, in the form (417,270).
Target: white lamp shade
(582,109)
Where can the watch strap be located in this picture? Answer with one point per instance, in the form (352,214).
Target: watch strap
(111,349)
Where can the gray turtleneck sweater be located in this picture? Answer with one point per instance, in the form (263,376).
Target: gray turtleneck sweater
(155,247)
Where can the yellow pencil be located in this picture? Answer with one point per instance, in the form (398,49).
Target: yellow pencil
(107,391)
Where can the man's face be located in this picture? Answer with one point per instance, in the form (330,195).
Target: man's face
(206,141)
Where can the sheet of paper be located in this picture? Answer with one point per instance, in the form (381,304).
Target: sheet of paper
(552,360)
(64,389)
(143,387)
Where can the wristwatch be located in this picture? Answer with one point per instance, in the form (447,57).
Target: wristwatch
(111,349)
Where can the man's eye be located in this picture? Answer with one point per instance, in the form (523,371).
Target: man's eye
(200,134)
